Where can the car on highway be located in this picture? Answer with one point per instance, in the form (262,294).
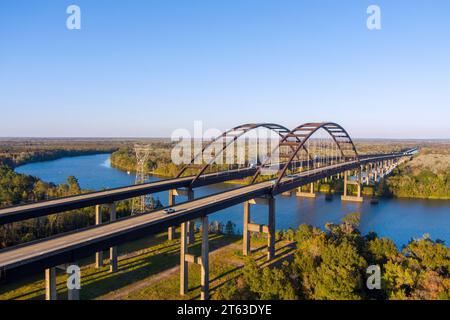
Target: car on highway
(169,210)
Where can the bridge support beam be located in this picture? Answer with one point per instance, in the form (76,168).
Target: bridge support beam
(269,229)
(98,254)
(191,224)
(309,194)
(113,250)
(50,284)
(347,182)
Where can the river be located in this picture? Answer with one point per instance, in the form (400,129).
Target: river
(397,219)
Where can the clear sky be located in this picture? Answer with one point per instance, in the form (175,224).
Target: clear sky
(146,68)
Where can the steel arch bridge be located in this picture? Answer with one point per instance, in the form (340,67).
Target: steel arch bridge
(295,146)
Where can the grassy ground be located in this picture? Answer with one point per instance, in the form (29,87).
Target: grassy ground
(149,269)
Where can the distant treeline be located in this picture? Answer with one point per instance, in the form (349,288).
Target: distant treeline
(16,159)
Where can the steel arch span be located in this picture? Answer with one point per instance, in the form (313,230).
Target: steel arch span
(297,139)
(228,138)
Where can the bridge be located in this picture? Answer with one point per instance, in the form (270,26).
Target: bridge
(299,159)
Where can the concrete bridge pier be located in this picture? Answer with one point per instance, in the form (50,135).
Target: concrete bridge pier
(183,262)
(112,250)
(368,170)
(347,182)
(72,294)
(171,230)
(203,260)
(98,221)
(269,229)
(204,277)
(191,224)
(309,194)
(50,284)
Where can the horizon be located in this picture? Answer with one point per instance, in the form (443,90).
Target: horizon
(169,138)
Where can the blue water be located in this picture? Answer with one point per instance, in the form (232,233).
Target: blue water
(397,219)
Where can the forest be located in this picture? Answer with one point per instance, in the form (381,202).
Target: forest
(332,264)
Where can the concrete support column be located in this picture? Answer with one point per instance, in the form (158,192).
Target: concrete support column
(113,250)
(98,220)
(50,284)
(171,230)
(204,280)
(183,262)
(191,224)
(271,231)
(345,183)
(345,196)
(367,171)
(246,232)
(359,182)
(73,294)
(268,229)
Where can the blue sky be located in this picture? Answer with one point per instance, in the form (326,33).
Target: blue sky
(146,68)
